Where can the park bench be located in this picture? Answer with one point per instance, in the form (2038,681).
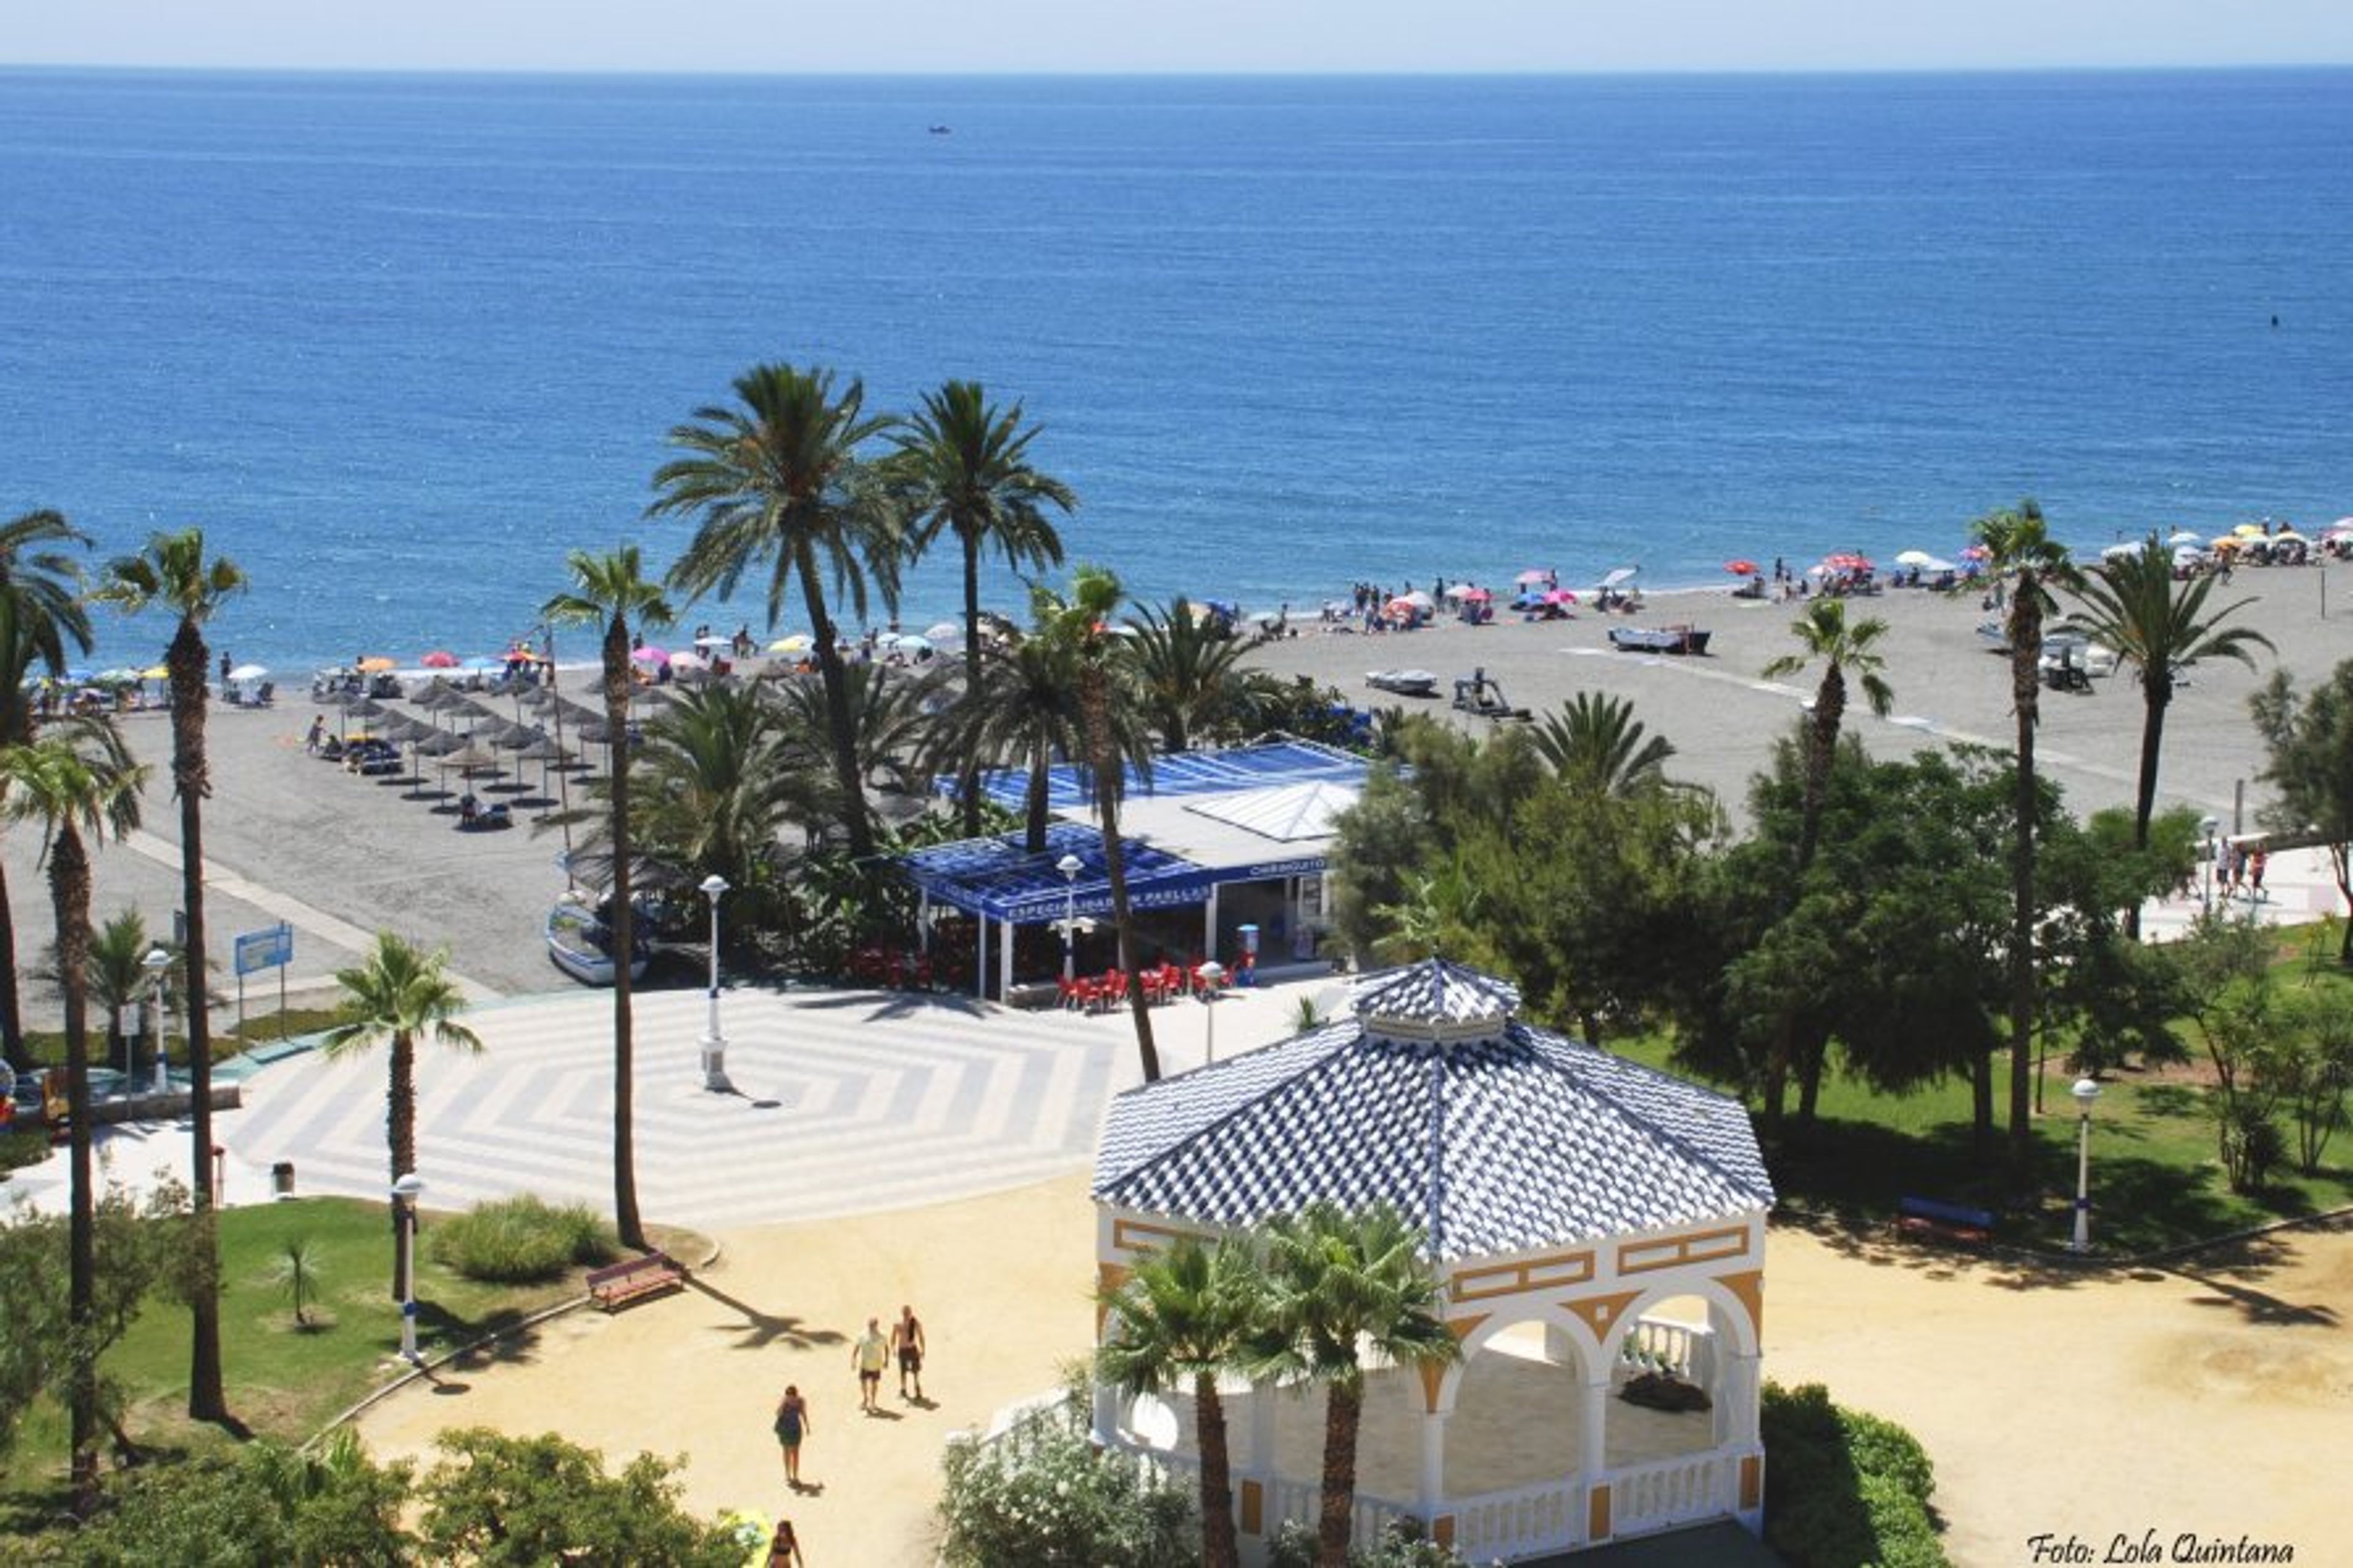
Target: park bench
(618,1284)
(1946,1222)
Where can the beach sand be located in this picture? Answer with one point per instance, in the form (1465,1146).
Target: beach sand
(2192,1400)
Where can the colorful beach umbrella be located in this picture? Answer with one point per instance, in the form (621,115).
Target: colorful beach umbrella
(648,653)
(1533,574)
(2249,531)
(156,672)
(944,631)
(1920,558)
(1477,597)
(688,663)
(1741,568)
(796,643)
(376,664)
(440,658)
(1620,577)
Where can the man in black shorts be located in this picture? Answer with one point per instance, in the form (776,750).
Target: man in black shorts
(907,1339)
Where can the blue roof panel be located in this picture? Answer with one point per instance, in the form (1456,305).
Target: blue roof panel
(1269,765)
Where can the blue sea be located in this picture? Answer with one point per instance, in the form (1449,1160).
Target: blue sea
(398,342)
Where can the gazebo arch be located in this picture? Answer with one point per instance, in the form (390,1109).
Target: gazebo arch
(1566,1194)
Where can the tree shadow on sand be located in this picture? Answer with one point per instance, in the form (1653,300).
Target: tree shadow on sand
(760,1331)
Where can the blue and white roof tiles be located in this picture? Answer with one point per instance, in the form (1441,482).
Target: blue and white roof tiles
(1499,1137)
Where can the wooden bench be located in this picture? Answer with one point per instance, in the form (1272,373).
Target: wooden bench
(1944,1221)
(618,1284)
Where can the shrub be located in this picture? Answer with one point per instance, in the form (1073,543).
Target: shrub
(1844,1489)
(1399,1546)
(521,1240)
(1043,1494)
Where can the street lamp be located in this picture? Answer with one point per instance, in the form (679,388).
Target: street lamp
(1210,975)
(405,1191)
(714,1043)
(1069,865)
(156,962)
(2085,1091)
(2208,826)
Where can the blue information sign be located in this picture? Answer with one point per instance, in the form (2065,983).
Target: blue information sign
(271,949)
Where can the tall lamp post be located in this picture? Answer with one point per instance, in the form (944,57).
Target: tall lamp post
(405,1191)
(2085,1091)
(2208,826)
(1209,977)
(714,1043)
(1069,867)
(156,962)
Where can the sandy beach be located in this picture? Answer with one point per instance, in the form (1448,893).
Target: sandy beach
(2092,1405)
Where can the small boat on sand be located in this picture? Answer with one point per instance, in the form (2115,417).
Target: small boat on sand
(1658,639)
(1403,682)
(581,944)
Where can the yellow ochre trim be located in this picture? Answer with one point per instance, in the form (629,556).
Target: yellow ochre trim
(1530,1274)
(1699,1246)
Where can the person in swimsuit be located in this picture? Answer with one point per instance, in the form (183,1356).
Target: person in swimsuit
(869,1356)
(784,1548)
(792,1426)
(907,1339)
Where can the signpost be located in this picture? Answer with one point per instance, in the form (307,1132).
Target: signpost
(271,949)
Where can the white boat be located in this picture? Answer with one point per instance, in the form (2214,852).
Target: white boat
(580,943)
(1403,682)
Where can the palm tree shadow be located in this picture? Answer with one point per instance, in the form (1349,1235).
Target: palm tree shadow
(761,1329)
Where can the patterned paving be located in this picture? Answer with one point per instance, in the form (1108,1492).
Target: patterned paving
(847,1102)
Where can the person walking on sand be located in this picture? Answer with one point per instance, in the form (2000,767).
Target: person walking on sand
(2257,862)
(792,1426)
(785,1547)
(318,735)
(869,1356)
(907,1339)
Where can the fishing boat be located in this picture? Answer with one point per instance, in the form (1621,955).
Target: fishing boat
(1658,639)
(581,944)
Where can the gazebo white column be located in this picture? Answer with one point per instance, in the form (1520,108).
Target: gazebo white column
(1592,1445)
(980,959)
(1005,963)
(1433,1498)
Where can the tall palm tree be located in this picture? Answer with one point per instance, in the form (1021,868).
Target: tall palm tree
(1341,1285)
(1184,1317)
(778,485)
(78,782)
(115,979)
(723,776)
(396,995)
(1026,715)
(891,721)
(2133,607)
(1825,636)
(1098,663)
(612,590)
(962,465)
(2019,542)
(1596,743)
(173,574)
(1189,674)
(41,617)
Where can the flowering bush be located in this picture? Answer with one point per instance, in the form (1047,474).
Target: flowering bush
(1042,1493)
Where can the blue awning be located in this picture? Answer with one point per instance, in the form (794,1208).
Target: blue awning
(1266,766)
(993,878)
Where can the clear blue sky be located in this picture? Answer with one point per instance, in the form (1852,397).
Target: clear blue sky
(786,36)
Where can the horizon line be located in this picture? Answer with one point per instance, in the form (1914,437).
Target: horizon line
(1111,73)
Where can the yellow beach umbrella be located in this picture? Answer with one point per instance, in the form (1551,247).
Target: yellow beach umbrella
(2287,533)
(797,643)
(156,672)
(2229,542)
(2249,531)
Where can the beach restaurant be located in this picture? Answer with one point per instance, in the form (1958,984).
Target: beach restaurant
(1225,854)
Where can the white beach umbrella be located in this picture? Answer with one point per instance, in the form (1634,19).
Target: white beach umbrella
(1919,558)
(250,672)
(945,632)
(2181,536)
(1620,577)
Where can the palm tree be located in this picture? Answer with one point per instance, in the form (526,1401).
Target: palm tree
(2133,607)
(722,775)
(1189,674)
(115,978)
(2019,542)
(79,782)
(612,590)
(891,723)
(1341,1285)
(174,573)
(399,992)
(962,465)
(777,483)
(1185,1316)
(1596,742)
(41,617)
(1822,635)
(1025,715)
(1097,661)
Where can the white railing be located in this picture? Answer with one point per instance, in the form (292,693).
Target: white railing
(1288,1499)
(1685,1491)
(1684,1351)
(1541,1518)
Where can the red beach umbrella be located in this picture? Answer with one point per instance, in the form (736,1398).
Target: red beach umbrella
(440,658)
(1741,568)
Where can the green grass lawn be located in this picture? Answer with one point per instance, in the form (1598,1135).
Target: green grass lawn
(285,1379)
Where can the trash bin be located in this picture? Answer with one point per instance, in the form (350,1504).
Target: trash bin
(281,1179)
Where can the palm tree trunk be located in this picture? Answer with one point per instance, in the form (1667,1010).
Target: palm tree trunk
(1343,1413)
(2157,694)
(400,1118)
(12,1011)
(1107,788)
(69,896)
(968,775)
(2025,694)
(1821,752)
(623,920)
(838,723)
(1219,1548)
(207,1398)
(1034,814)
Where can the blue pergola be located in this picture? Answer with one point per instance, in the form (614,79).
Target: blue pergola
(1269,765)
(997,879)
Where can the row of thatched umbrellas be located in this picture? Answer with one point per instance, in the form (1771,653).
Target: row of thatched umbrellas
(490,740)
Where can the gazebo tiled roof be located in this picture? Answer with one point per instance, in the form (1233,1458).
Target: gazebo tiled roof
(1496,1136)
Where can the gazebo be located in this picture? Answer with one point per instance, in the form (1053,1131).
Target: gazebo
(1595,1222)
